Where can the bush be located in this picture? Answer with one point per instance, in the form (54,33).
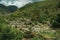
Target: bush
(37,38)
(7,33)
(56,22)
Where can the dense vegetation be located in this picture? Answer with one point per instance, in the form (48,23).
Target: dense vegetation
(34,21)
(7,9)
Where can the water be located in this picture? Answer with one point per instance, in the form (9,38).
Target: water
(18,3)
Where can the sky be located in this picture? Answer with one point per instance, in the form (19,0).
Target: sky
(18,3)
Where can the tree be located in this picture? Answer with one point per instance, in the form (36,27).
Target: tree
(56,22)
(7,33)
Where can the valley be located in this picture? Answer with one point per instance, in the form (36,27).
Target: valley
(34,21)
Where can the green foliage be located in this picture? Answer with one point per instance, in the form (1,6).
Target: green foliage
(56,22)
(37,12)
(37,38)
(7,33)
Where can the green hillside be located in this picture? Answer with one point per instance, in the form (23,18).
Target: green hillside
(3,9)
(7,9)
(38,12)
(34,21)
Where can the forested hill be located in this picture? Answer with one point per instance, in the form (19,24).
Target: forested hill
(3,9)
(34,21)
(39,11)
(7,9)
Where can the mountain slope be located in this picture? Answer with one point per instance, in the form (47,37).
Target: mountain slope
(38,12)
(7,9)
(3,9)
(36,21)
(12,8)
